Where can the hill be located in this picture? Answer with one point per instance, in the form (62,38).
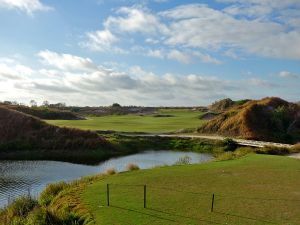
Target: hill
(269,119)
(45,113)
(224,104)
(22,132)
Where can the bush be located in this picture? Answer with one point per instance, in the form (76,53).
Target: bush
(51,192)
(110,171)
(230,144)
(132,166)
(184,160)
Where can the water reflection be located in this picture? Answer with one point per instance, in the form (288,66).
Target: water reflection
(20,177)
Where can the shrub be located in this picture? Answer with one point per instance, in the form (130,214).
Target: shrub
(230,144)
(111,171)
(51,191)
(183,160)
(132,166)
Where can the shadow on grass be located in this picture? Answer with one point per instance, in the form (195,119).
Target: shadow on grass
(185,217)
(143,213)
(245,217)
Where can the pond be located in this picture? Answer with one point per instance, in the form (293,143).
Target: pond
(23,177)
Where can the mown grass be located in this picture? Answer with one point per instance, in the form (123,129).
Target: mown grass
(255,189)
(176,119)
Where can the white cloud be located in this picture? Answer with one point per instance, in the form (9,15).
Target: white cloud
(287,74)
(28,6)
(14,72)
(182,56)
(179,56)
(205,58)
(134,19)
(261,83)
(156,53)
(100,40)
(66,61)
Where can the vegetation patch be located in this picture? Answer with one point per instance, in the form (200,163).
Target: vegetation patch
(58,204)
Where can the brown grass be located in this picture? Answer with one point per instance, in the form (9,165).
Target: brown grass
(19,131)
(111,171)
(258,120)
(132,167)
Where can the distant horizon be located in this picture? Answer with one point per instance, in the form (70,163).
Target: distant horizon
(149,52)
(39,104)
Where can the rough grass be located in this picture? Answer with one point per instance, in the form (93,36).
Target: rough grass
(63,206)
(173,120)
(110,171)
(132,167)
(255,189)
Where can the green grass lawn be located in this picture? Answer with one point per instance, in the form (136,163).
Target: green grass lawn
(134,123)
(256,189)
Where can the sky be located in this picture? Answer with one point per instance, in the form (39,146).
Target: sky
(148,52)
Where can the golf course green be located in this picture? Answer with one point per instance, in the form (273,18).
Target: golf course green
(167,120)
(255,189)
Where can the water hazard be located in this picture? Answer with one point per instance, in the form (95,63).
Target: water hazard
(23,177)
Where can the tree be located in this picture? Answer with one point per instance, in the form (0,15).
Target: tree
(33,103)
(45,103)
(7,103)
(116,105)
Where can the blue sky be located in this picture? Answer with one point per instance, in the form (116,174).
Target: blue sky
(151,52)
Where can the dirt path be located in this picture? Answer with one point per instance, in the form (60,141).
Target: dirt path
(295,155)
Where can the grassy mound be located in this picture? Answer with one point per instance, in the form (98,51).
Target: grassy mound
(45,112)
(269,119)
(224,104)
(221,105)
(19,131)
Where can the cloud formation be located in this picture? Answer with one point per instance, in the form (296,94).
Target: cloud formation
(288,75)
(28,6)
(198,27)
(66,61)
(78,81)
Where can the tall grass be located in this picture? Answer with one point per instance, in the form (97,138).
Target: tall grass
(58,204)
(50,192)
(132,167)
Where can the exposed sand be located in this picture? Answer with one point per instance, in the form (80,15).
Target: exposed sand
(295,155)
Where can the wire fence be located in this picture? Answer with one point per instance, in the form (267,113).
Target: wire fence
(263,209)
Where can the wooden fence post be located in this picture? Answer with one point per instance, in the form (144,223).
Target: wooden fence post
(145,195)
(212,203)
(107,194)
